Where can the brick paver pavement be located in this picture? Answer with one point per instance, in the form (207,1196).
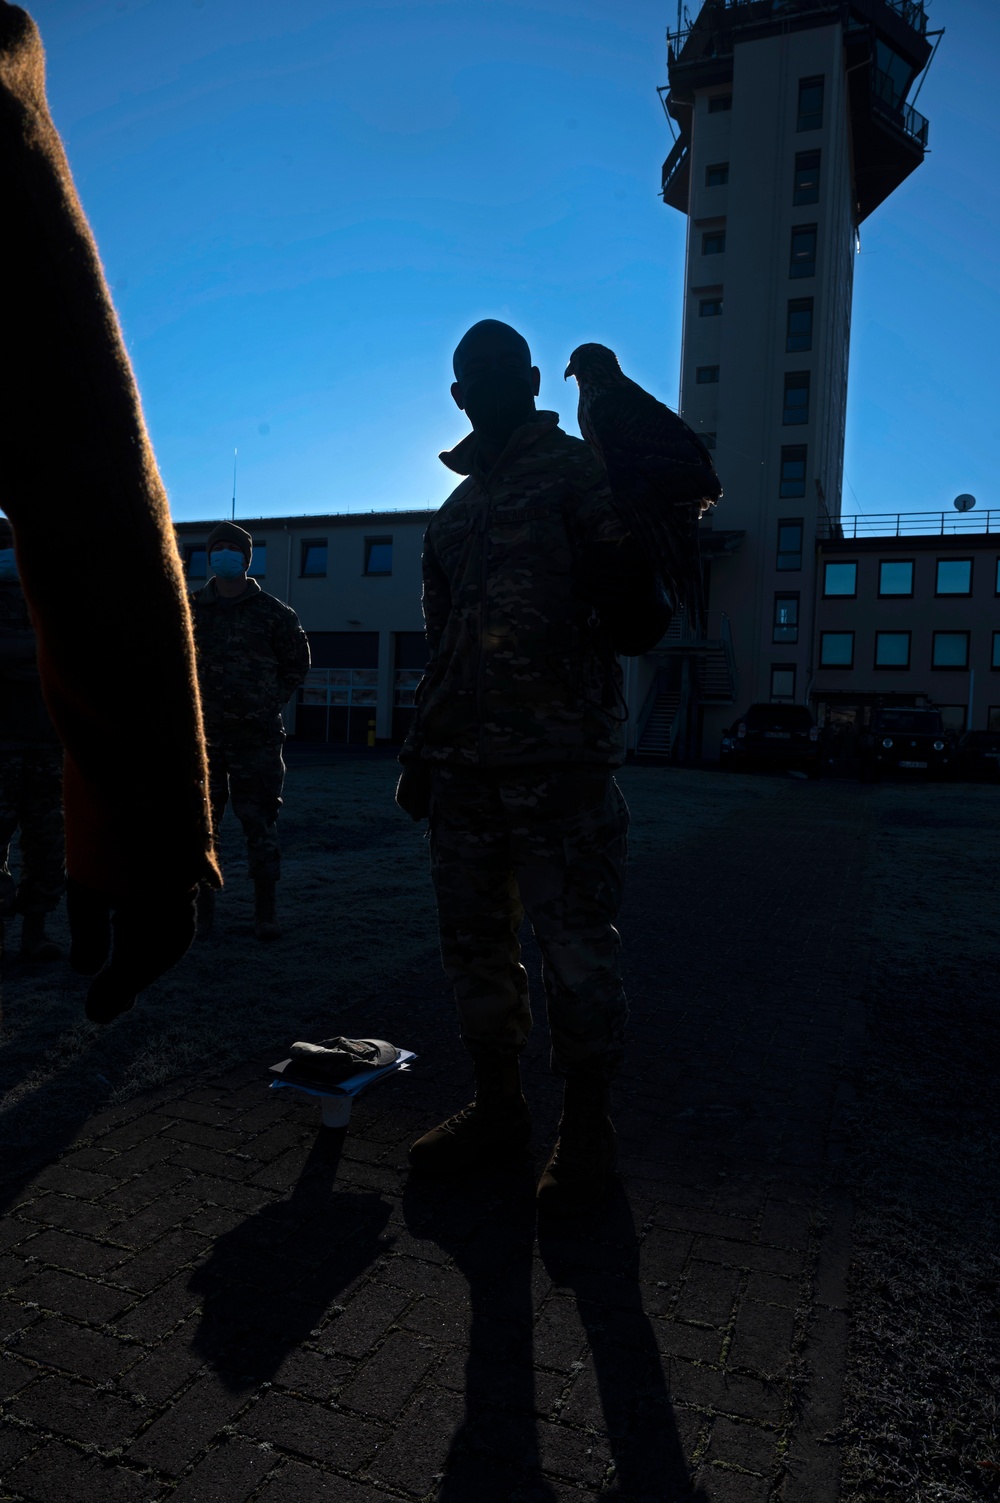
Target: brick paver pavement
(206,1300)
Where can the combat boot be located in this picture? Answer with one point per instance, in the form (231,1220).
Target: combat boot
(35,943)
(205,911)
(496,1126)
(577,1176)
(265,919)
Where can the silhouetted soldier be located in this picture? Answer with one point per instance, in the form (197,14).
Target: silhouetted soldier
(30,772)
(531,585)
(252,656)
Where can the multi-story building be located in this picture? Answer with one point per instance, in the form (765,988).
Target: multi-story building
(793,126)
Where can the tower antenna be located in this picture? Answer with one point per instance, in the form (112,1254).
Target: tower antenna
(232,514)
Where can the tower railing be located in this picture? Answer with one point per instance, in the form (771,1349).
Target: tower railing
(742,11)
(898,524)
(885,98)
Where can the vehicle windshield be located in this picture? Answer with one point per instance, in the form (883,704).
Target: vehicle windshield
(780,717)
(919,722)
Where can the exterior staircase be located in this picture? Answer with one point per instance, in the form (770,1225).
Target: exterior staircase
(657,737)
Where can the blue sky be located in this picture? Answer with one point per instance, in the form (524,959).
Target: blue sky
(301,207)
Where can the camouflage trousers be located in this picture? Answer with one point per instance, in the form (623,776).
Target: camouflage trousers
(31,796)
(549,842)
(251,777)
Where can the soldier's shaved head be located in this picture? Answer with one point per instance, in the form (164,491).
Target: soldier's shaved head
(490,337)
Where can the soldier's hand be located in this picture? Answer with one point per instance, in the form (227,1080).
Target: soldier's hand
(413,791)
(127,944)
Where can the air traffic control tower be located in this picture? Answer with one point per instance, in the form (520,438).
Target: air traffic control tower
(792,127)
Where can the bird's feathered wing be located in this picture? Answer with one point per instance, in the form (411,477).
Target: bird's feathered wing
(661,476)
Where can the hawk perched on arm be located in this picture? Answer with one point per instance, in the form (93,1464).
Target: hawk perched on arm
(661,475)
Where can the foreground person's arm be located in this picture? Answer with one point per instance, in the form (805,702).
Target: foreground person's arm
(98,563)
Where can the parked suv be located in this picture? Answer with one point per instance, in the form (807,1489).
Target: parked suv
(907,739)
(978,755)
(774,736)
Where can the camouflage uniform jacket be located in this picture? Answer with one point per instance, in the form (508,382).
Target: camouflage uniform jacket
(252,656)
(24,719)
(520,670)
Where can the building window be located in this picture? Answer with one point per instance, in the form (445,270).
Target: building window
(783,681)
(796,402)
(790,543)
(810,110)
(717,176)
(708,439)
(803,258)
(378,555)
(996,582)
(719,103)
(993,718)
(840,579)
(954,576)
(197,562)
(313,564)
(895,576)
(954,717)
(996,650)
(892,649)
(707,375)
(799,328)
(836,649)
(786,619)
(258,561)
(951,649)
(793,471)
(805,189)
(713,242)
(710,307)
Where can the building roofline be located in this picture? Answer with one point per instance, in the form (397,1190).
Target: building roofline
(922,542)
(327,519)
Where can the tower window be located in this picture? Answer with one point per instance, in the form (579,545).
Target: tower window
(840,579)
(783,681)
(258,562)
(803,258)
(796,403)
(707,375)
(790,543)
(951,649)
(710,307)
(793,470)
(954,576)
(786,619)
(895,576)
(799,328)
(719,103)
(717,176)
(836,649)
(313,564)
(805,189)
(378,555)
(197,561)
(713,243)
(892,649)
(810,111)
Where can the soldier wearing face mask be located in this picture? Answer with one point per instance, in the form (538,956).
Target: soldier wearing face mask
(252,656)
(30,772)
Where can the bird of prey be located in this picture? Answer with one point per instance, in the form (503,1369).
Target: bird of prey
(661,475)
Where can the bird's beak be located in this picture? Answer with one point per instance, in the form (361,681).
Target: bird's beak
(569,371)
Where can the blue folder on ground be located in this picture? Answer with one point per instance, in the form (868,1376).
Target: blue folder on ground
(337,1070)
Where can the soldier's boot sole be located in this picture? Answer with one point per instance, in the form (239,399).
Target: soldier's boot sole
(578,1175)
(477,1137)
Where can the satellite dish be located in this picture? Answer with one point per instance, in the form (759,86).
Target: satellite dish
(964,502)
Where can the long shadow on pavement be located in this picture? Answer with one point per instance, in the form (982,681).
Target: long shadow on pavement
(267,1283)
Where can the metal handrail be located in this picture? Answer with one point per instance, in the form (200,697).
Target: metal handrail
(885,97)
(910,11)
(675,162)
(908,524)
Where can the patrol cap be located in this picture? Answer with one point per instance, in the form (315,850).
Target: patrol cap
(229,535)
(492,335)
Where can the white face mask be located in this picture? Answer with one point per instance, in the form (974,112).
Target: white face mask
(8,564)
(228,563)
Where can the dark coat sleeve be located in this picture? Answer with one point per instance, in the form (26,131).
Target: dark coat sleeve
(96,552)
(436,602)
(291,650)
